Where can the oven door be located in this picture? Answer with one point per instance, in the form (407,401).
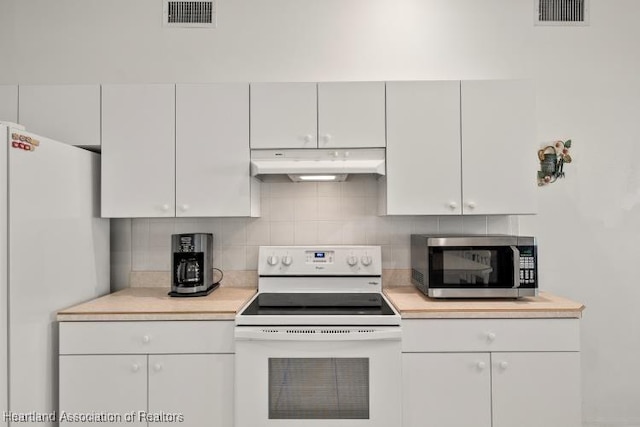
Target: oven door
(318,376)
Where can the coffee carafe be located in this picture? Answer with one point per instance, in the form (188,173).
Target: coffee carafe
(192,264)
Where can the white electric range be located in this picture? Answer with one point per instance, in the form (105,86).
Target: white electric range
(319,342)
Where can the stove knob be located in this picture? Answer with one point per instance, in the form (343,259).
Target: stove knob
(366,260)
(287,260)
(352,260)
(272,260)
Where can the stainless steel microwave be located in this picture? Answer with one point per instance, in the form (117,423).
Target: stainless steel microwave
(468,266)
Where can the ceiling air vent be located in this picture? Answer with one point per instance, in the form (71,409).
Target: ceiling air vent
(562,12)
(193,14)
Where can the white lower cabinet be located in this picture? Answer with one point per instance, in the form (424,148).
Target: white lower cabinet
(143,373)
(463,372)
(198,386)
(109,384)
(446,390)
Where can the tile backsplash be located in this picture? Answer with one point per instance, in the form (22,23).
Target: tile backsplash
(304,214)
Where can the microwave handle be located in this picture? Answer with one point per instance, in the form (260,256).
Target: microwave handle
(516,266)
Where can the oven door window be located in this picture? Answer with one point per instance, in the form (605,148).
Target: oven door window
(473,267)
(319,388)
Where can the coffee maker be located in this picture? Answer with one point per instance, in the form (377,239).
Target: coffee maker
(192,265)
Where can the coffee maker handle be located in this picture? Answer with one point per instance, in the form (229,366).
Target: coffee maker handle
(180,271)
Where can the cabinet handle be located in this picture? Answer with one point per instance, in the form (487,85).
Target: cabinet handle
(453,205)
(326,138)
(165,208)
(184,208)
(491,336)
(157,367)
(503,365)
(471,205)
(308,138)
(135,367)
(146,339)
(481,366)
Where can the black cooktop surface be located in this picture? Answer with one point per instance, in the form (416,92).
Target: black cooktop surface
(318,304)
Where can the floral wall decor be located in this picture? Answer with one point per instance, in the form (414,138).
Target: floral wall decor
(552,161)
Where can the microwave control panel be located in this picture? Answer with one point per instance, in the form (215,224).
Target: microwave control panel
(528,268)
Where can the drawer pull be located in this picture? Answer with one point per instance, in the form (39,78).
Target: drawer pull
(135,367)
(481,366)
(503,365)
(146,339)
(491,337)
(157,367)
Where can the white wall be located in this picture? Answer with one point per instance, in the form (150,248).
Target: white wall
(588,90)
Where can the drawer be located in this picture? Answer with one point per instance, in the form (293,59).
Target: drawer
(460,335)
(146,337)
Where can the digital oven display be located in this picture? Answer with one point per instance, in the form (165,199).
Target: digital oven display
(320,257)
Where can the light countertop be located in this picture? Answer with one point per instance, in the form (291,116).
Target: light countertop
(155,304)
(412,304)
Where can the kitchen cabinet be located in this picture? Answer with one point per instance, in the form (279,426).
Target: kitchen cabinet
(423,149)
(459,148)
(9,103)
(212,149)
(177,151)
(115,384)
(138,150)
(326,115)
(182,367)
(67,113)
(498,139)
(491,372)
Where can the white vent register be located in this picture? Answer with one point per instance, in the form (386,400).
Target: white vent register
(562,12)
(189,14)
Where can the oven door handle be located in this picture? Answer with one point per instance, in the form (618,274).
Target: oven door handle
(317,334)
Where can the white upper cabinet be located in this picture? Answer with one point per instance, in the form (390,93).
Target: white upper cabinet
(138,150)
(351,114)
(67,113)
(498,147)
(326,115)
(423,148)
(460,148)
(283,115)
(212,150)
(9,103)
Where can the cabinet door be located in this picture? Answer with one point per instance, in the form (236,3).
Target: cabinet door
(114,384)
(283,115)
(351,114)
(199,386)
(67,113)
(423,148)
(498,147)
(446,390)
(138,151)
(212,149)
(536,389)
(9,103)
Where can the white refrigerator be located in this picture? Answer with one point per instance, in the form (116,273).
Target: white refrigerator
(54,252)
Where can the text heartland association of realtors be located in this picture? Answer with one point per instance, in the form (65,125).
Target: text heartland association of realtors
(92,417)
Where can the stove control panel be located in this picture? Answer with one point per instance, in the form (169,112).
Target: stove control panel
(320,261)
(320,257)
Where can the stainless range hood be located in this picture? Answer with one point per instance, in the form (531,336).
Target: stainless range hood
(317,164)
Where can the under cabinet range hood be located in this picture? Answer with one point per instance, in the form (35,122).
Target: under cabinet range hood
(317,164)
